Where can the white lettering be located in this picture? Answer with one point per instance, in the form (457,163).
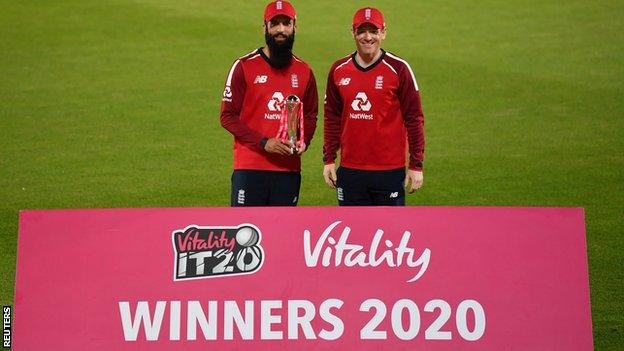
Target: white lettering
(272,116)
(174,320)
(361,115)
(270,319)
(196,315)
(327,316)
(304,321)
(405,319)
(354,255)
(200,258)
(244,324)
(434,332)
(142,316)
(413,320)
(462,320)
(370,332)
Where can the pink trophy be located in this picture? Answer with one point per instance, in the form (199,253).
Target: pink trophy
(291,123)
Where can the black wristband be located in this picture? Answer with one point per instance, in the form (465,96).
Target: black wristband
(263,142)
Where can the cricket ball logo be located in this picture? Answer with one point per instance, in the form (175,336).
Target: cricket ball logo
(206,252)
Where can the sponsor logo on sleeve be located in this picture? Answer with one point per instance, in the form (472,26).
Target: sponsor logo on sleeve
(227,94)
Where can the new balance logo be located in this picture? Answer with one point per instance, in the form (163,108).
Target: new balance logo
(344,81)
(261,79)
(394,195)
(275,101)
(361,103)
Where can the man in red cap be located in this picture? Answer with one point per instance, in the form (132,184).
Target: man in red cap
(267,170)
(373,114)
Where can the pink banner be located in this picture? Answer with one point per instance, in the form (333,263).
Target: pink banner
(322,278)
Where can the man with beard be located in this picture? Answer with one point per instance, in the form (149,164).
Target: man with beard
(372,114)
(266,169)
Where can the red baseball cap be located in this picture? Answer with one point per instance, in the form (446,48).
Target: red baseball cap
(277,8)
(368,15)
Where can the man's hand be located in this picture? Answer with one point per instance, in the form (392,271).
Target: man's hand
(301,147)
(329,173)
(276,146)
(413,180)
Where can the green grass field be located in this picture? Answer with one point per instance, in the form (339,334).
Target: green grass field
(116,104)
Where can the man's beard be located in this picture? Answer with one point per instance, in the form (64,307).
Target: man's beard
(280,53)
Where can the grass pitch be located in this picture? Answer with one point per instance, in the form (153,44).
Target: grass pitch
(116,104)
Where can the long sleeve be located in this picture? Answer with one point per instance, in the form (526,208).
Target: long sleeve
(332,120)
(411,109)
(310,112)
(231,106)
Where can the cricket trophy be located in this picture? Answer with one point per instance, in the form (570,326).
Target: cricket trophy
(291,123)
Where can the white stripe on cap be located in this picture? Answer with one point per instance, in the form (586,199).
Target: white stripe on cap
(408,67)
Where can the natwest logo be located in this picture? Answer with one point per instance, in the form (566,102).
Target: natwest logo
(274,103)
(361,103)
(204,252)
(227,94)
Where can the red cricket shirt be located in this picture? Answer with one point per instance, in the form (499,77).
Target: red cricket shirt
(250,108)
(371,112)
